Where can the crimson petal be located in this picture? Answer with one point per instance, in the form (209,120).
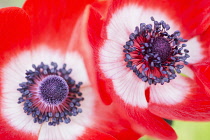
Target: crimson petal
(94,35)
(15,33)
(92,134)
(53,21)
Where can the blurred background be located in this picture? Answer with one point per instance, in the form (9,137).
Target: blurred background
(185,130)
(7,3)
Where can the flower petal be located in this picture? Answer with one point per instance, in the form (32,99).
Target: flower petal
(53,21)
(145,122)
(118,29)
(202,71)
(102,7)
(94,35)
(125,83)
(15,32)
(183,98)
(197,51)
(92,134)
(62,131)
(80,44)
(169,93)
(188,71)
(15,37)
(205,41)
(13,74)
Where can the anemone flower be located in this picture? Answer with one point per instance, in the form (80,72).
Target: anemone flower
(48,88)
(146,53)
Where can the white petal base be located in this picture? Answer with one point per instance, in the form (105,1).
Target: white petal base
(170,93)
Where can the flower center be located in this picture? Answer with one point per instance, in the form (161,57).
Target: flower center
(154,55)
(162,47)
(50,94)
(53,89)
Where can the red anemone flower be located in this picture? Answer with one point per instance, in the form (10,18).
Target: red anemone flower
(48,88)
(146,63)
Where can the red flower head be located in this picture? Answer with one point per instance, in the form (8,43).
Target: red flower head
(146,63)
(48,88)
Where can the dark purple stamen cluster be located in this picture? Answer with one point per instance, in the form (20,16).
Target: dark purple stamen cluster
(154,55)
(53,89)
(50,94)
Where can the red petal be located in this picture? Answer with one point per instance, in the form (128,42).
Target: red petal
(94,35)
(53,21)
(194,107)
(14,32)
(14,37)
(91,134)
(94,32)
(79,43)
(202,71)
(102,7)
(147,123)
(115,122)
(192,16)
(204,38)
(8,133)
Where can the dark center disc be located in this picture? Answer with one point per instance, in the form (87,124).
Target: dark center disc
(53,89)
(161,46)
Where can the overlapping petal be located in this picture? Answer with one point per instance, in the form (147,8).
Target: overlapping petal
(53,21)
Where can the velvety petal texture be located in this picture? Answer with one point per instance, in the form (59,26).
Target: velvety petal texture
(18,36)
(53,21)
(186,97)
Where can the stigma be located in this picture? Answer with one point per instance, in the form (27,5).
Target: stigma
(50,94)
(154,55)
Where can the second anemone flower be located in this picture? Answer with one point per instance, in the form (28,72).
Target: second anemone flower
(146,63)
(48,88)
